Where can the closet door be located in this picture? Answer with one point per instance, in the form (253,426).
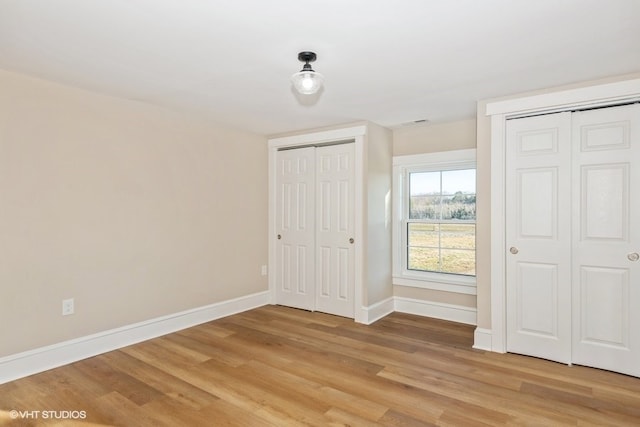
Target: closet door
(538,227)
(295,228)
(335,271)
(606,238)
(315,214)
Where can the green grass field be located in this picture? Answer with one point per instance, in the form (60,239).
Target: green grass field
(457,248)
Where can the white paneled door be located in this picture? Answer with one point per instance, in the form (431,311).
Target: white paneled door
(315,228)
(573,275)
(538,236)
(606,238)
(335,200)
(295,216)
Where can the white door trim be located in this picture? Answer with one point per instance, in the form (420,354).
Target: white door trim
(357,134)
(500,111)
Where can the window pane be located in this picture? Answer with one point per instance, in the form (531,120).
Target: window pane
(425,259)
(424,195)
(438,196)
(458,236)
(423,235)
(458,261)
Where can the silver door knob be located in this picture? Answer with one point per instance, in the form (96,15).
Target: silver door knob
(279,237)
(513,250)
(351,240)
(633,256)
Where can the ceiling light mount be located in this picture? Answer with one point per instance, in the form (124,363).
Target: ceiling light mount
(307,81)
(307,57)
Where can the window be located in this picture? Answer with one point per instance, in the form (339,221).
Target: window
(435,220)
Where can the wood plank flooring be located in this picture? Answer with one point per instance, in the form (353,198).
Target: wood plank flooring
(285,367)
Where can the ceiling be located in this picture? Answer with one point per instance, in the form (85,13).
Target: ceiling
(390,62)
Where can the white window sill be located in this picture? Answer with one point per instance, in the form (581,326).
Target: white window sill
(439,282)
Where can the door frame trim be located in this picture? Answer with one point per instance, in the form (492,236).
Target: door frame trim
(500,111)
(357,134)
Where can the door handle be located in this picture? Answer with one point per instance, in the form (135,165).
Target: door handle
(513,250)
(279,236)
(633,256)
(351,240)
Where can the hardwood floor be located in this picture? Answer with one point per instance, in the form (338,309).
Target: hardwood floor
(285,367)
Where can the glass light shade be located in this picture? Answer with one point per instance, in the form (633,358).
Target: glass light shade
(307,82)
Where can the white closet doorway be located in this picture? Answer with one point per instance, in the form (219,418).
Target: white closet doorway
(572,237)
(314,223)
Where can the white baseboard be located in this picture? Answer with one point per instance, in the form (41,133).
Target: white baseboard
(41,359)
(455,313)
(377,311)
(482,339)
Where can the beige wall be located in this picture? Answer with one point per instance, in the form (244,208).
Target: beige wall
(431,295)
(483,237)
(483,220)
(134,211)
(432,138)
(378,259)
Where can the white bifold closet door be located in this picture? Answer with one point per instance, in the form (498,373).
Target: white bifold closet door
(606,239)
(538,234)
(573,237)
(315,189)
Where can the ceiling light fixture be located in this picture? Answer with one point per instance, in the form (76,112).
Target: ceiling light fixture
(307,81)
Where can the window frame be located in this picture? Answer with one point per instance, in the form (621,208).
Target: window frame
(402,167)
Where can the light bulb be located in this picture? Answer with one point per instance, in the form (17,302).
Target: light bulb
(307,82)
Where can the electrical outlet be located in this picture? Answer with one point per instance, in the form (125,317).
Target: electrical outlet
(67,307)
(264,270)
